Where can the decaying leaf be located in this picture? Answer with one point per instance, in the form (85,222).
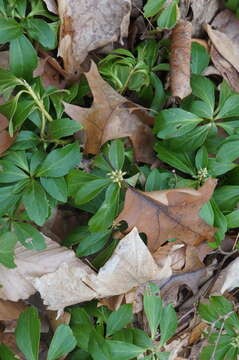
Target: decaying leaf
(90,25)
(228,278)
(112,116)
(63,280)
(201,12)
(5,139)
(225,46)
(180,59)
(51,6)
(167,214)
(10,310)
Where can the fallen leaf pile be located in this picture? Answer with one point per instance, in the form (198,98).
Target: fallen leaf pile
(112,116)
(86,26)
(63,280)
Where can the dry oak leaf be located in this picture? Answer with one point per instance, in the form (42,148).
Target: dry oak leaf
(130,265)
(180,60)
(112,116)
(90,25)
(167,214)
(5,139)
(10,310)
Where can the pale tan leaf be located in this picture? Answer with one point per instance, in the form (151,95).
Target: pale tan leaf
(168,214)
(90,25)
(180,59)
(130,266)
(112,116)
(51,6)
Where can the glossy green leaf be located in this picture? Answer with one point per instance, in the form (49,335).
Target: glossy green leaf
(119,319)
(204,89)
(28,333)
(63,127)
(169,16)
(201,109)
(23,57)
(92,243)
(122,350)
(153,310)
(216,168)
(152,7)
(107,210)
(190,141)
(11,173)
(179,161)
(233,219)
(175,122)
(230,108)
(157,180)
(201,158)
(116,154)
(9,29)
(62,342)
(60,161)
(36,203)
(168,324)
(199,58)
(29,236)
(229,150)
(90,190)
(8,241)
(6,353)
(56,187)
(40,31)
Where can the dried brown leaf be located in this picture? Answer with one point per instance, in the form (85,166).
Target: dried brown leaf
(5,140)
(180,59)
(11,310)
(112,116)
(90,25)
(167,214)
(228,278)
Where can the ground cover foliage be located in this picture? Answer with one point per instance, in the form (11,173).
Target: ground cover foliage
(119,179)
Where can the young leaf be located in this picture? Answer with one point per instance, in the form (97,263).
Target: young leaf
(59,162)
(199,58)
(122,350)
(92,243)
(29,236)
(56,187)
(168,324)
(9,29)
(153,310)
(230,108)
(7,245)
(36,203)
(23,57)
(169,16)
(40,31)
(28,333)
(175,122)
(90,190)
(179,161)
(152,7)
(118,319)
(116,154)
(6,353)
(63,127)
(204,89)
(62,342)
(107,210)
(201,159)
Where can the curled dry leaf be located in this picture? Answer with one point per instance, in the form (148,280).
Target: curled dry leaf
(225,49)
(51,6)
(180,59)
(5,139)
(64,280)
(90,25)
(112,116)
(10,310)
(167,214)
(228,278)
(201,12)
